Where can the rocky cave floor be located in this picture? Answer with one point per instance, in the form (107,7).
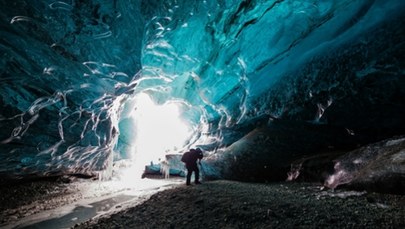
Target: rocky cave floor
(229,204)
(18,200)
(223,204)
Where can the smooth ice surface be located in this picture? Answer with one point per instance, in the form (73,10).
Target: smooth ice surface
(71,69)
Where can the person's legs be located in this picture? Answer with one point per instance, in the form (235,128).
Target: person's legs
(197,175)
(189,172)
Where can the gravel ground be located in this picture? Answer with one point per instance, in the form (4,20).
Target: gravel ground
(19,200)
(228,204)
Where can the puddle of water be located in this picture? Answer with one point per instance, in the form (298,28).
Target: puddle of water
(82,213)
(100,199)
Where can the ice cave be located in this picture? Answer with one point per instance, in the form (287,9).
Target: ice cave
(270,90)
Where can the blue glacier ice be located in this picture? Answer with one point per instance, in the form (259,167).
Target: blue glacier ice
(72,72)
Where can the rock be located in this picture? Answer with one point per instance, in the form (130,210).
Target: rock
(266,153)
(377,167)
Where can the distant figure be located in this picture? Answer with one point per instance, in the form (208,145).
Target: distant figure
(165,169)
(190,159)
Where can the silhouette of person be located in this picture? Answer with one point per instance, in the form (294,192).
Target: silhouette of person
(190,159)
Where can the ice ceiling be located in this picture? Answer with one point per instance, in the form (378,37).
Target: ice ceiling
(71,72)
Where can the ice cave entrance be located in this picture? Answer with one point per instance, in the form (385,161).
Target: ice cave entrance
(159,130)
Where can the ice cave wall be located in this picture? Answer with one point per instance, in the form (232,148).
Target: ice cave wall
(64,70)
(314,61)
(68,67)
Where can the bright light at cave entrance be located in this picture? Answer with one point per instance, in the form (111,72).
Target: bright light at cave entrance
(159,130)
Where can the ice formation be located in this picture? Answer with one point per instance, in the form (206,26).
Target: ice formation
(70,71)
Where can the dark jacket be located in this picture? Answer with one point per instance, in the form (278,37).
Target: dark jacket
(191,157)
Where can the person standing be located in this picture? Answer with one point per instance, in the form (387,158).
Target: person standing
(190,158)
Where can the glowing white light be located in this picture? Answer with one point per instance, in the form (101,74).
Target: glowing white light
(159,130)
